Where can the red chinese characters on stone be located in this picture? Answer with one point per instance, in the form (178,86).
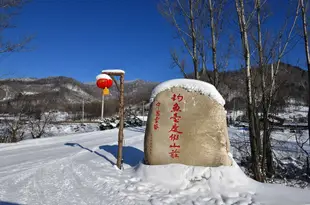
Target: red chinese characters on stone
(174,146)
(177,97)
(157,116)
(175,132)
(175,128)
(176,118)
(174,153)
(174,137)
(176,108)
(156,126)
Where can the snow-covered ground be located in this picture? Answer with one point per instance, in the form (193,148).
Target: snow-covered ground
(80,169)
(293,111)
(143,118)
(290,113)
(57,129)
(70,128)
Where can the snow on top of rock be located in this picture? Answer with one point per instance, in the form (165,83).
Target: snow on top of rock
(103,76)
(113,71)
(190,85)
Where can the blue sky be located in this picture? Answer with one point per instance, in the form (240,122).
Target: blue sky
(79,38)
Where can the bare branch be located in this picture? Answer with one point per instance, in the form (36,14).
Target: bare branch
(283,51)
(178,63)
(9,9)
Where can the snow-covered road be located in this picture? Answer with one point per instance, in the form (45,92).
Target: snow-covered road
(48,171)
(79,169)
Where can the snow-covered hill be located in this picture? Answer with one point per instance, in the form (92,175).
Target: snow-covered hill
(80,169)
(65,90)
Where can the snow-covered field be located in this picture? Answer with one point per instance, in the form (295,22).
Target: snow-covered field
(80,169)
(70,128)
(290,113)
(56,129)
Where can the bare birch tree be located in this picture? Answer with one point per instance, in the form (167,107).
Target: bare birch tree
(214,41)
(244,26)
(215,11)
(268,91)
(307,51)
(197,21)
(184,16)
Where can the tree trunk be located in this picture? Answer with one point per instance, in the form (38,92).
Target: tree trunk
(270,167)
(250,108)
(308,166)
(257,128)
(213,37)
(194,40)
(305,27)
(263,87)
(14,136)
(253,143)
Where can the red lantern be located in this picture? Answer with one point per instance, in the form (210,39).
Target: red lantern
(104,82)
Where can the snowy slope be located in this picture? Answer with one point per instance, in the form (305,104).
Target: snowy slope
(79,169)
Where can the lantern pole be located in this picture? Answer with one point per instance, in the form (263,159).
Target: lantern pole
(102,105)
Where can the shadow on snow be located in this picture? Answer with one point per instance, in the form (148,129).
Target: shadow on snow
(8,203)
(131,155)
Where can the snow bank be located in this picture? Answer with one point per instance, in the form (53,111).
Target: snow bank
(179,176)
(190,85)
(220,185)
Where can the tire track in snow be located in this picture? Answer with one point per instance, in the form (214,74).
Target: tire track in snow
(77,176)
(25,169)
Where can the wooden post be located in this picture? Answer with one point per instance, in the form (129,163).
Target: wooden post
(121,124)
(121,116)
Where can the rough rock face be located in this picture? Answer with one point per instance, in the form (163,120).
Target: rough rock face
(186,127)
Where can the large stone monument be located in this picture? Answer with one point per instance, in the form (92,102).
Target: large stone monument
(187,125)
